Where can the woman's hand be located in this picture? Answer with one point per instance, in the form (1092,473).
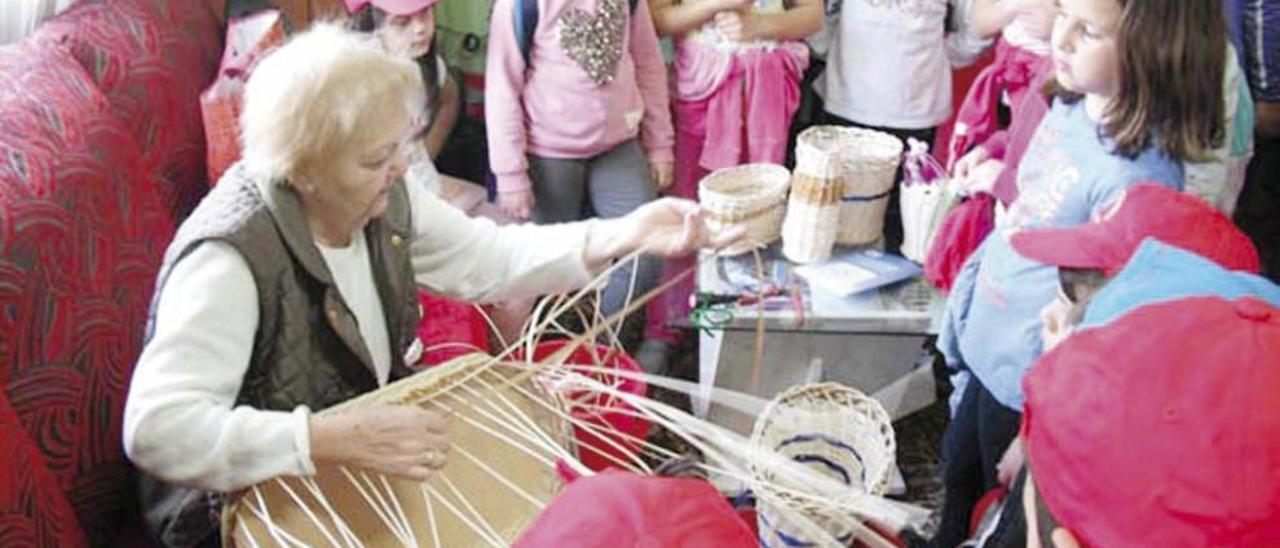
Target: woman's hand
(666,227)
(671,227)
(663,174)
(517,204)
(397,440)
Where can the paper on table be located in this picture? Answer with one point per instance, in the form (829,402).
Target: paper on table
(858,271)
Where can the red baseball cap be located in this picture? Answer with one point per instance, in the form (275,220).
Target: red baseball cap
(1162,428)
(622,509)
(1144,211)
(394,7)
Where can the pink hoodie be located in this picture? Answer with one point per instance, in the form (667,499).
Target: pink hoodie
(553,109)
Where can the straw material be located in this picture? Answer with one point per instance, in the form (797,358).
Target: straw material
(870,162)
(924,206)
(836,431)
(752,196)
(813,212)
(437,512)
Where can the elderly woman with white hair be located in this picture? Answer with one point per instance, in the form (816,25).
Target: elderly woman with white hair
(292,287)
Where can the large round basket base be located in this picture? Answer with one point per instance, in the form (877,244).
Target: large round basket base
(486,494)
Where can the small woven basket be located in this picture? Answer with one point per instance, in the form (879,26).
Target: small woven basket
(871,161)
(813,211)
(924,207)
(836,431)
(926,197)
(752,196)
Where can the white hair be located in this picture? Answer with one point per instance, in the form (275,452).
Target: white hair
(325,89)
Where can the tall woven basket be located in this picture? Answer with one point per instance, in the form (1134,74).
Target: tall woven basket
(752,196)
(813,211)
(836,431)
(871,161)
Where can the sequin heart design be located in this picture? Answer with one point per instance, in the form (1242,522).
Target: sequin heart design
(595,41)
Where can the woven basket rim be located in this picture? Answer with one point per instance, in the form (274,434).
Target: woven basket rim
(829,138)
(764,183)
(871,408)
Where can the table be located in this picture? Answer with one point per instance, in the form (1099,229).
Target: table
(873,341)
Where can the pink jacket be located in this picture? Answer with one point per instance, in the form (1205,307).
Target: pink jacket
(552,108)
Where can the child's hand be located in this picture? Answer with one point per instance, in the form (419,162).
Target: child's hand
(1011,463)
(980,179)
(730,5)
(1037,17)
(517,204)
(737,26)
(663,174)
(969,161)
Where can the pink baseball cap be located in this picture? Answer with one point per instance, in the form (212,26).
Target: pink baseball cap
(1162,428)
(394,7)
(1146,210)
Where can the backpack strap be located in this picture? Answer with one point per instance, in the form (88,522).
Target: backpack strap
(526,19)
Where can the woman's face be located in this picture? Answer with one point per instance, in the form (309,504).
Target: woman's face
(1085,56)
(354,186)
(409,35)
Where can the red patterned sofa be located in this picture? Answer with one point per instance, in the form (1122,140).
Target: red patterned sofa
(101,155)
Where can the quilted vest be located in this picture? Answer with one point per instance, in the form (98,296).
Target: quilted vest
(307,349)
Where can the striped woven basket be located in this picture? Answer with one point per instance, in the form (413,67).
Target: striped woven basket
(752,196)
(837,432)
(871,161)
(813,211)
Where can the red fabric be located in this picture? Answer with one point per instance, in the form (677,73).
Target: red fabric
(962,231)
(1146,211)
(621,509)
(1168,440)
(81,238)
(248,39)
(450,329)
(151,58)
(33,510)
(596,453)
(1009,76)
(989,501)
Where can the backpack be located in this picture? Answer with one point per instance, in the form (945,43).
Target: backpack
(526,17)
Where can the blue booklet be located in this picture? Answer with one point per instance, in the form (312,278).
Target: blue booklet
(858,270)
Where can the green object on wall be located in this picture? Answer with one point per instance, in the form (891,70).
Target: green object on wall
(462,36)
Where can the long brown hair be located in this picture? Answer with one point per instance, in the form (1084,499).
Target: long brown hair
(1172,57)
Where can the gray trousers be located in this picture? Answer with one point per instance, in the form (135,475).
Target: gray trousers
(610,185)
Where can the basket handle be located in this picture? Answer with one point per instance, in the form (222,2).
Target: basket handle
(920,166)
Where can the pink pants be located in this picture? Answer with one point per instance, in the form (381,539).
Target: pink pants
(745,120)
